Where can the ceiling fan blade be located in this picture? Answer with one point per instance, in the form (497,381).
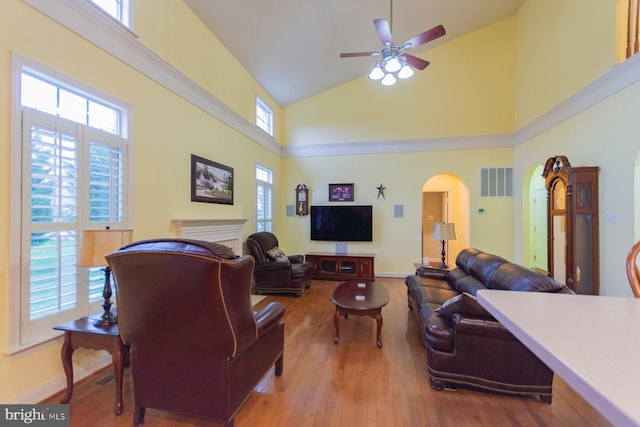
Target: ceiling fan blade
(425,37)
(416,62)
(384,31)
(352,54)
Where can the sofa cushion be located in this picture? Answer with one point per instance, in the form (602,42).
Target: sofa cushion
(432,294)
(463,303)
(455,275)
(465,256)
(483,265)
(469,284)
(514,277)
(413,281)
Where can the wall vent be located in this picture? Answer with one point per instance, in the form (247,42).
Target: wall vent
(496,182)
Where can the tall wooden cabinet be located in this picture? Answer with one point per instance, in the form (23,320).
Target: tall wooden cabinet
(572,225)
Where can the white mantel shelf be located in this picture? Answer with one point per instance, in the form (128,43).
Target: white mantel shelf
(224,231)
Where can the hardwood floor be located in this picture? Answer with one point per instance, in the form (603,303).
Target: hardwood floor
(352,383)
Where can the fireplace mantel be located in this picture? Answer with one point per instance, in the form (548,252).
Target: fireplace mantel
(224,231)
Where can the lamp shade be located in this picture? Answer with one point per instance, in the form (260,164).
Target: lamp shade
(96,244)
(444,231)
(388,80)
(405,72)
(376,72)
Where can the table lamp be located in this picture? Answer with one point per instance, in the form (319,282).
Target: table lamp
(444,231)
(95,245)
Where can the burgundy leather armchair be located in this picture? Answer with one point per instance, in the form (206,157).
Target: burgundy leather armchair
(289,274)
(197,346)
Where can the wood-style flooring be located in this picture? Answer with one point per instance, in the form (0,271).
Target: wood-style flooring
(352,383)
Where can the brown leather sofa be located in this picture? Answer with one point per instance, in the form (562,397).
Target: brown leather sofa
(466,346)
(288,274)
(197,346)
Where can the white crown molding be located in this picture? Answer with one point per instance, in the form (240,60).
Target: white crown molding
(399,146)
(90,23)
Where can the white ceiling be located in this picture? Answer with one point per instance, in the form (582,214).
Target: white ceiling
(292,47)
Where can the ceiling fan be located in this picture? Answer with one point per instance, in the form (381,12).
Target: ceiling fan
(395,62)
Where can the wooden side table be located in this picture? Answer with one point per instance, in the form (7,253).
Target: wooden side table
(83,333)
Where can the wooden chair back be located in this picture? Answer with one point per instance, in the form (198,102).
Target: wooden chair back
(632,269)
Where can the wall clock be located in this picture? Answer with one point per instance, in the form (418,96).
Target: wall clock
(302,200)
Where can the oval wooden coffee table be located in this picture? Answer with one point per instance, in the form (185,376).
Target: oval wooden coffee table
(360,298)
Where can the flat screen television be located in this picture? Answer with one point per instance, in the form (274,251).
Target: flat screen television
(349,223)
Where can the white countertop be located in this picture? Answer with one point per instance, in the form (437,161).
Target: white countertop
(591,342)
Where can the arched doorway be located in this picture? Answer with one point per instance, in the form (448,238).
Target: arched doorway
(445,198)
(537,225)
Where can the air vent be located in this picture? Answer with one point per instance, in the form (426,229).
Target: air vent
(496,182)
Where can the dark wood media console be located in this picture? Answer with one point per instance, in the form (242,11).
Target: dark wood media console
(335,266)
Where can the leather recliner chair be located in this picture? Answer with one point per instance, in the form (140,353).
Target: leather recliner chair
(289,274)
(197,346)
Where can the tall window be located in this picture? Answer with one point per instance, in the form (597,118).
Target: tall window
(264,116)
(118,9)
(264,199)
(73,178)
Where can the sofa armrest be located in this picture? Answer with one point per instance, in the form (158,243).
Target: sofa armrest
(296,259)
(269,316)
(474,325)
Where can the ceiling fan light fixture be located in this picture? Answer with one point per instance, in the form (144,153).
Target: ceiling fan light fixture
(388,80)
(405,72)
(376,72)
(392,64)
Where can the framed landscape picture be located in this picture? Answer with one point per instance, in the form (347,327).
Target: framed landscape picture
(341,192)
(211,182)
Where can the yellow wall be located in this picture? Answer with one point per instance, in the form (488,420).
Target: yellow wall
(575,46)
(494,81)
(167,131)
(397,241)
(174,33)
(562,47)
(467,90)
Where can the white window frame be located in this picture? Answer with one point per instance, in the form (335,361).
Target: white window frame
(264,116)
(265,187)
(24,333)
(123,12)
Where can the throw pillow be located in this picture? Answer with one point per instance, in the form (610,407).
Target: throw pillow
(464,304)
(277,255)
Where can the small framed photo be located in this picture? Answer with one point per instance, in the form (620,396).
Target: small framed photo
(211,182)
(341,192)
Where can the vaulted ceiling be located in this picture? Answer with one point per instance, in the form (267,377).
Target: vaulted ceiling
(292,47)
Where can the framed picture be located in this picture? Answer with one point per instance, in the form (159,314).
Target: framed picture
(341,192)
(211,182)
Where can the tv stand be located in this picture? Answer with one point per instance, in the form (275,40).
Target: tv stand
(339,266)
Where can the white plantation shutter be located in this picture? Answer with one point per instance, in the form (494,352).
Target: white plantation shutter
(74,176)
(264,199)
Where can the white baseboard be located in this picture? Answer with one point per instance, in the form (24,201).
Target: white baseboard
(391,274)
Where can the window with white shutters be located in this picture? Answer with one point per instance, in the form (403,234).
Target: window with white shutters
(264,199)
(73,172)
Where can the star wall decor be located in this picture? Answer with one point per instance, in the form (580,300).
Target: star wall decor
(381,189)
